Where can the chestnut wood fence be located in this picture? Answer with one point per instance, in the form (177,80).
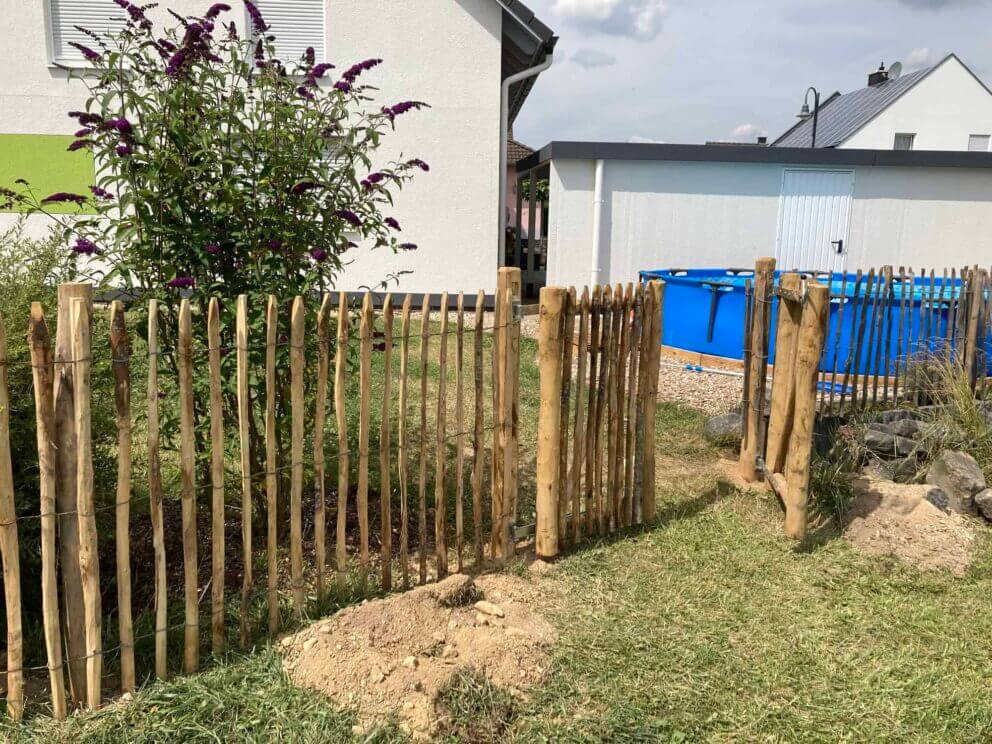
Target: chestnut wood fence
(595,471)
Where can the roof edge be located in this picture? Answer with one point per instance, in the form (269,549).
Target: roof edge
(637,151)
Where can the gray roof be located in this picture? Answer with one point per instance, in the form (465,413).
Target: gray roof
(526,43)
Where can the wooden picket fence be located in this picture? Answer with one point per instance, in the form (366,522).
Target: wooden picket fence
(841,349)
(595,472)
(595,448)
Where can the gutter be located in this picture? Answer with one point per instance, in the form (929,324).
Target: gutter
(504,133)
(597,224)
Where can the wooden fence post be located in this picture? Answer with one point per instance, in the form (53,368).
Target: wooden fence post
(155,497)
(216,480)
(441,449)
(364,423)
(187,472)
(507,350)
(385,444)
(764,272)
(271,474)
(9,550)
(549,422)
(120,349)
(244,446)
(808,349)
(790,313)
(44,401)
(319,432)
(652,362)
(74,626)
(297,412)
(341,419)
(89,560)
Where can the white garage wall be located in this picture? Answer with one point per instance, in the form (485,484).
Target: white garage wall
(666,214)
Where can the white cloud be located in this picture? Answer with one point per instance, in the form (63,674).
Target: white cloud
(748,133)
(640,19)
(590,58)
(638,140)
(918,58)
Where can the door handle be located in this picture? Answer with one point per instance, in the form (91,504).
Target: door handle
(838,245)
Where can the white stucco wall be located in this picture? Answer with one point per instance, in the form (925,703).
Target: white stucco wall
(941,110)
(444,52)
(664,214)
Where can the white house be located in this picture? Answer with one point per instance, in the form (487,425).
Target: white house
(453,54)
(862,197)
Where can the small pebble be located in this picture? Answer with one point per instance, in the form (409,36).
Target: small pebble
(410,662)
(489,608)
(309,644)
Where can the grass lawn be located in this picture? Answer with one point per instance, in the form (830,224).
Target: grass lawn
(710,626)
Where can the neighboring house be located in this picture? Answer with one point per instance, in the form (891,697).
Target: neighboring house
(515,151)
(453,54)
(944,107)
(619,208)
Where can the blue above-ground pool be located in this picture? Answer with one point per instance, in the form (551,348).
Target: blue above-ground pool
(704,313)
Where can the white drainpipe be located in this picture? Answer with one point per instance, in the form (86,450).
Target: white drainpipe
(504,132)
(597,225)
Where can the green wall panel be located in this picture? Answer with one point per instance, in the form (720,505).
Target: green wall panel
(44,162)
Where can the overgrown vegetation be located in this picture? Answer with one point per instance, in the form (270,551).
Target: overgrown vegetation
(471,708)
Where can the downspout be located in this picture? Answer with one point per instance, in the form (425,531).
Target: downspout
(504,132)
(597,224)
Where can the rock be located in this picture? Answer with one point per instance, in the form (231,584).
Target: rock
(410,662)
(896,414)
(903,471)
(724,430)
(960,477)
(376,676)
(449,652)
(983,502)
(488,608)
(888,445)
(896,498)
(906,427)
(309,644)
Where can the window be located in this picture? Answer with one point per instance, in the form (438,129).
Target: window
(296,24)
(978,142)
(904,142)
(99,16)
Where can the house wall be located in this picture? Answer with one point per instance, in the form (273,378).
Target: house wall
(941,110)
(444,52)
(665,214)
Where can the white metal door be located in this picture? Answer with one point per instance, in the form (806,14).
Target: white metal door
(813,218)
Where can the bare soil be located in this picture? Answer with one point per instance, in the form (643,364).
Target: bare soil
(389,658)
(897,520)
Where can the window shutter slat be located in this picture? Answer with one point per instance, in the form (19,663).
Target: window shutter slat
(296,24)
(99,16)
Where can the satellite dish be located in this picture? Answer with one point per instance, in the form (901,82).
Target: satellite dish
(895,71)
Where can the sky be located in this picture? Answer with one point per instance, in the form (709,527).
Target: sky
(688,71)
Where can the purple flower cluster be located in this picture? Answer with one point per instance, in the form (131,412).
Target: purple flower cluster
(100,193)
(407,246)
(342,86)
(391,222)
(302,187)
(373,179)
(348,216)
(181,282)
(320,70)
(85,247)
(216,9)
(79,144)
(88,54)
(319,255)
(124,150)
(352,73)
(275,244)
(85,118)
(418,163)
(401,108)
(305,92)
(136,13)
(213,248)
(195,45)
(122,125)
(310,56)
(257,21)
(60,197)
(84,132)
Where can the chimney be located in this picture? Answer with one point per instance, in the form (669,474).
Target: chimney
(762,140)
(878,77)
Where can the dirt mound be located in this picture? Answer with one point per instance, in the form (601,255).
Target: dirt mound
(391,657)
(901,520)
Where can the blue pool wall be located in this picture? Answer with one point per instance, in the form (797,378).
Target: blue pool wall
(689,294)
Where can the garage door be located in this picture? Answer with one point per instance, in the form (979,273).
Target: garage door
(813,216)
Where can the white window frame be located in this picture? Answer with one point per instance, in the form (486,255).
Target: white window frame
(986,137)
(54,61)
(323,34)
(912,141)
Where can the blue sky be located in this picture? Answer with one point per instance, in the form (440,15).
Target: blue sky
(697,70)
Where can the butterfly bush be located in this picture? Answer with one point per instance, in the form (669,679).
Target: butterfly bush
(223,170)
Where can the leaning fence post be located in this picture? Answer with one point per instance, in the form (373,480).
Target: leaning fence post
(508,374)
(65,488)
(549,422)
(653,330)
(9,550)
(808,349)
(764,272)
(790,312)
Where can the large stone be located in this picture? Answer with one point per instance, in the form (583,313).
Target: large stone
(723,430)
(896,414)
(983,502)
(895,498)
(960,477)
(886,444)
(907,427)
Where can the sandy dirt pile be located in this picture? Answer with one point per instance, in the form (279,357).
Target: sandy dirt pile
(901,520)
(392,656)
